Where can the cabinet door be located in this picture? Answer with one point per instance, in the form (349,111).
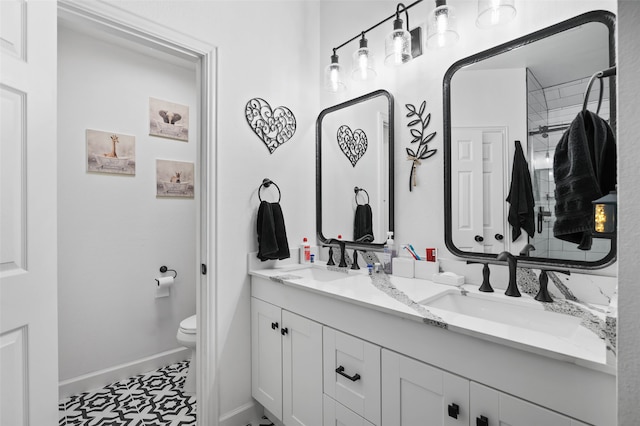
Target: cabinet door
(415,394)
(336,414)
(301,370)
(360,361)
(505,410)
(266,356)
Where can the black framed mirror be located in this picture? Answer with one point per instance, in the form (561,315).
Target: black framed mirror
(354,171)
(529,90)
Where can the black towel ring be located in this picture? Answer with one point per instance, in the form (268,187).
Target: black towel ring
(266,182)
(599,75)
(357,190)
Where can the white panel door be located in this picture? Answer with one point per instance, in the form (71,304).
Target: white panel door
(301,371)
(28,249)
(491,407)
(415,393)
(336,414)
(493,198)
(466,189)
(266,355)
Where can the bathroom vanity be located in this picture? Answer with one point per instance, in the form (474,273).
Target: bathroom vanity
(333,347)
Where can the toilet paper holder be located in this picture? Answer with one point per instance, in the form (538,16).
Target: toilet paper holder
(164,269)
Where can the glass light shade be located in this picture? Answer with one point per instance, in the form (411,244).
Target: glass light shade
(604,215)
(397,45)
(333,76)
(363,66)
(495,12)
(442,27)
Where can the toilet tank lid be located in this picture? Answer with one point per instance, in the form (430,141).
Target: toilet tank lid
(188,323)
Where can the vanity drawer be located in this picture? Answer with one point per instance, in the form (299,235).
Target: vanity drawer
(336,414)
(352,373)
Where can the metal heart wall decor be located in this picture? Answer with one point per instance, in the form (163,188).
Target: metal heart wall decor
(352,143)
(273,126)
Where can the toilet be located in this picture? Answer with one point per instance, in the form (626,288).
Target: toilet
(187,337)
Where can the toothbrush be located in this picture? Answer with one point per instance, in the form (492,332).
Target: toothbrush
(413,252)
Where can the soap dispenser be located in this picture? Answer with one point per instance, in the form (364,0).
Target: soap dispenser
(389,252)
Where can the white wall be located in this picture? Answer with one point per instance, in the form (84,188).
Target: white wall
(114,234)
(629,205)
(266,49)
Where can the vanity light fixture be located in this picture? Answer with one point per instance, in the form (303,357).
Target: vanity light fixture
(604,215)
(495,12)
(333,75)
(442,26)
(398,50)
(363,67)
(397,45)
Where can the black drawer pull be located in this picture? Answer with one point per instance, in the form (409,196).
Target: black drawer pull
(340,371)
(284,331)
(454,410)
(274,325)
(482,421)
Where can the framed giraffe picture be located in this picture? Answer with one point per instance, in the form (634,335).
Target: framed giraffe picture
(110,152)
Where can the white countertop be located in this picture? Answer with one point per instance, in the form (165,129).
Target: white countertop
(581,346)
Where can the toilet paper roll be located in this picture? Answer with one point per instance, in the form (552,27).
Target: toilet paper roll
(164,284)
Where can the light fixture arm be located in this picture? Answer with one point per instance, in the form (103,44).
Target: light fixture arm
(395,15)
(398,11)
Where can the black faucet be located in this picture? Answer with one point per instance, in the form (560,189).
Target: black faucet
(526,249)
(343,251)
(543,294)
(355,265)
(512,262)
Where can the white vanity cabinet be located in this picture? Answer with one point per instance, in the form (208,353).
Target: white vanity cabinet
(336,414)
(415,393)
(492,407)
(286,362)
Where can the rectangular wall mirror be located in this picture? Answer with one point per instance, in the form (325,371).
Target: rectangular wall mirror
(354,171)
(527,90)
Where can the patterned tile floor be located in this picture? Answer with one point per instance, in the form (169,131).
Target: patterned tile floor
(151,399)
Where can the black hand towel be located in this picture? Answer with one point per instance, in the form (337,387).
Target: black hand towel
(363,224)
(272,235)
(584,169)
(520,196)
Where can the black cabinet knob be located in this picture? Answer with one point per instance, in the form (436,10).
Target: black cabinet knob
(499,237)
(482,421)
(274,325)
(478,238)
(284,331)
(453,410)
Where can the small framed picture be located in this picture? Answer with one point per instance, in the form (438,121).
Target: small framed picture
(110,152)
(174,179)
(168,120)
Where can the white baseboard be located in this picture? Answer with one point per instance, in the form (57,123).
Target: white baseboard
(249,413)
(102,378)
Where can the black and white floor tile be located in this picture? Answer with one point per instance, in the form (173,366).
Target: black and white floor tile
(151,399)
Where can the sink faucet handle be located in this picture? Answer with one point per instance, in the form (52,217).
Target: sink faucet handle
(355,265)
(330,262)
(486,285)
(543,294)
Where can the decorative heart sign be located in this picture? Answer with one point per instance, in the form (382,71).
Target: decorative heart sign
(273,127)
(352,143)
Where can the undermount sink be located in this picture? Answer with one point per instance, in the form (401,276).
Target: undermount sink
(317,274)
(530,316)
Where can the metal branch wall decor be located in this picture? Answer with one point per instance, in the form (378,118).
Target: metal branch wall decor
(273,126)
(418,134)
(352,143)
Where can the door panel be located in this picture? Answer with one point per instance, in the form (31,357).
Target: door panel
(28,283)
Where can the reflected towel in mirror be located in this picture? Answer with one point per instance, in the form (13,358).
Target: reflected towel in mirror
(363,224)
(520,196)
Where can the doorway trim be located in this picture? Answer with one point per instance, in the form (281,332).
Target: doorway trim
(140,30)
